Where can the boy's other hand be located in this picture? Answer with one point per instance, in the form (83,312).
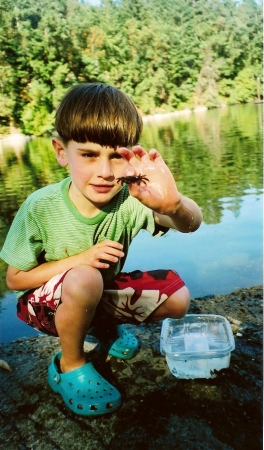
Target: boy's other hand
(160,193)
(101,255)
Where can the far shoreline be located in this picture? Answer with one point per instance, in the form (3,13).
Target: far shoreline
(15,135)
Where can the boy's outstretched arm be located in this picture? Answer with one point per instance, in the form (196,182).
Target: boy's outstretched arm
(160,193)
(187,218)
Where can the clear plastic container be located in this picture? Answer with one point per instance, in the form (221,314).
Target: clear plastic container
(197,346)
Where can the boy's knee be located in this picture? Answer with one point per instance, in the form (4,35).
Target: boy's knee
(179,303)
(175,307)
(83,282)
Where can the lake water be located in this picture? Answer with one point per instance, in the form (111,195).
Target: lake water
(216,159)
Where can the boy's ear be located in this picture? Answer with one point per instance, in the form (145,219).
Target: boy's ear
(60,152)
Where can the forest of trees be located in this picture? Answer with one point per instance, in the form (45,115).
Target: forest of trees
(165,54)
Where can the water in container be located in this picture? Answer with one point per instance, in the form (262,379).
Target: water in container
(197,346)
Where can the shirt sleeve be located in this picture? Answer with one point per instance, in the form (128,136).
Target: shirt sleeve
(23,244)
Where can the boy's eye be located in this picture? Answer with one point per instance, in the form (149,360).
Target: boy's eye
(117,156)
(88,155)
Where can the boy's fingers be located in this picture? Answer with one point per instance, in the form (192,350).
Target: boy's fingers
(110,243)
(100,265)
(139,151)
(127,154)
(107,257)
(154,154)
(136,152)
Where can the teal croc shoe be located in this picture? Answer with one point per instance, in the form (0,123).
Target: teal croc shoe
(84,390)
(124,346)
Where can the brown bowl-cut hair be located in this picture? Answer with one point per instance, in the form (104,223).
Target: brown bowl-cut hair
(98,113)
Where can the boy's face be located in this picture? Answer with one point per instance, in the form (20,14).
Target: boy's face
(94,170)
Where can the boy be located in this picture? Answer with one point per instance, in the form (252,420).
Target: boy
(67,245)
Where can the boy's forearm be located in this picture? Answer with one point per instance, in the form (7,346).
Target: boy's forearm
(20,280)
(99,256)
(187,216)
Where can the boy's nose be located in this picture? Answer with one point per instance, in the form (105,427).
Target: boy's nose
(106,170)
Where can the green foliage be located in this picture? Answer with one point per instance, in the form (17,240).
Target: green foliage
(244,87)
(166,54)
(36,119)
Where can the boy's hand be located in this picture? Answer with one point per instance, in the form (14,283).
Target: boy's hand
(101,255)
(160,193)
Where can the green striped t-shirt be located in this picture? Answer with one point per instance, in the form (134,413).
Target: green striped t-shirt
(48,227)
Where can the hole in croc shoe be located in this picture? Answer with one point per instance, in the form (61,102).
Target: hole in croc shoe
(109,405)
(79,406)
(94,408)
(71,401)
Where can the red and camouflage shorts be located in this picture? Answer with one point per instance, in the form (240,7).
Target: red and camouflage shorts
(129,298)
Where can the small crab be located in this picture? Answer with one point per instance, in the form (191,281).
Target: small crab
(133,179)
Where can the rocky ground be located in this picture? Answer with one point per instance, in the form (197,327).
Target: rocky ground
(159,411)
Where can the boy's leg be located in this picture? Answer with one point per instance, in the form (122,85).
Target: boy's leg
(138,297)
(81,292)
(176,306)
(83,389)
(115,339)
(134,297)
(69,301)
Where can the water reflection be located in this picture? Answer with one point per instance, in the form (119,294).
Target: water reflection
(213,155)
(217,259)
(216,159)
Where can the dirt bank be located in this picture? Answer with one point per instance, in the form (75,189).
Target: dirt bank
(159,411)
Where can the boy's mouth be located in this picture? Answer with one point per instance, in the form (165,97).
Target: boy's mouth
(102,188)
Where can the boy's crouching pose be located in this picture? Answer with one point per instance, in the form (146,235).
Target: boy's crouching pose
(68,243)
